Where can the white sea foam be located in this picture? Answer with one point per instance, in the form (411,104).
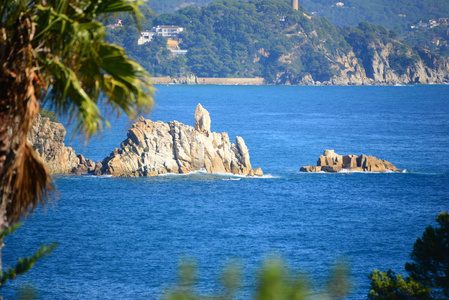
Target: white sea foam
(266,176)
(349,171)
(226,176)
(201,172)
(356,171)
(90,176)
(407,85)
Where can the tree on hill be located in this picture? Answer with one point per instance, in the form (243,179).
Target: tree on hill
(429,271)
(55,51)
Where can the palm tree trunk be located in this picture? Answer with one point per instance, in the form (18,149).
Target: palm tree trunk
(6,159)
(23,178)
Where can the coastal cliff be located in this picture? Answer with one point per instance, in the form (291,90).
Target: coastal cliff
(332,162)
(154,148)
(47,138)
(377,60)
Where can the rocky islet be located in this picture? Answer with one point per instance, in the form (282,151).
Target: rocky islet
(154,148)
(332,162)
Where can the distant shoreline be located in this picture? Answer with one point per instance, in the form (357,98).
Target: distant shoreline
(208,80)
(192,80)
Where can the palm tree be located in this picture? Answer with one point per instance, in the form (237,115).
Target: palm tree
(54,51)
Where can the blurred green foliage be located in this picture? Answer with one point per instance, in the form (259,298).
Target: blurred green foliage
(388,285)
(274,281)
(24,264)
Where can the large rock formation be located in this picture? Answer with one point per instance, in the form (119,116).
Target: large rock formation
(332,162)
(47,138)
(154,148)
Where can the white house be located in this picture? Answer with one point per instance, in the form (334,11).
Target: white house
(145,37)
(168,30)
(161,30)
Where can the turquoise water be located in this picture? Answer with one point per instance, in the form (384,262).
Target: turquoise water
(122,238)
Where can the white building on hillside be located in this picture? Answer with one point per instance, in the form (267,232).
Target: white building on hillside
(168,30)
(145,37)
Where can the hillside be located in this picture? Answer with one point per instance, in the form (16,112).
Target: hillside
(170,6)
(267,38)
(390,13)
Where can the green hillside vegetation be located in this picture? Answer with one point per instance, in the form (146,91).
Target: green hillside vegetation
(235,39)
(173,5)
(394,14)
(390,13)
(435,39)
(261,38)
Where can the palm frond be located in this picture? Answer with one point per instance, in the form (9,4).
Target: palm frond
(30,183)
(130,91)
(74,100)
(88,71)
(10,230)
(25,264)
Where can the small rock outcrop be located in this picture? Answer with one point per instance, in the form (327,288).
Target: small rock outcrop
(154,148)
(47,138)
(332,162)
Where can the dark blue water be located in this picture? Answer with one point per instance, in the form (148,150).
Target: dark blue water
(122,238)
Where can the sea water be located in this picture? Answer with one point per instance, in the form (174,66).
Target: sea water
(123,238)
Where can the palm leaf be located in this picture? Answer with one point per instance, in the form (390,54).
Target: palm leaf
(89,71)
(29,183)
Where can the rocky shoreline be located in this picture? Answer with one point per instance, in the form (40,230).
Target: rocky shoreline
(305,81)
(428,69)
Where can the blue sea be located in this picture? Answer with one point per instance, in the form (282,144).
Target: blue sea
(123,238)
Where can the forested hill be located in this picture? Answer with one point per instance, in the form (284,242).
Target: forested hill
(267,38)
(390,13)
(170,6)
(394,14)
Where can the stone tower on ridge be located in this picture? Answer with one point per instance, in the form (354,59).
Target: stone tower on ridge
(295,4)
